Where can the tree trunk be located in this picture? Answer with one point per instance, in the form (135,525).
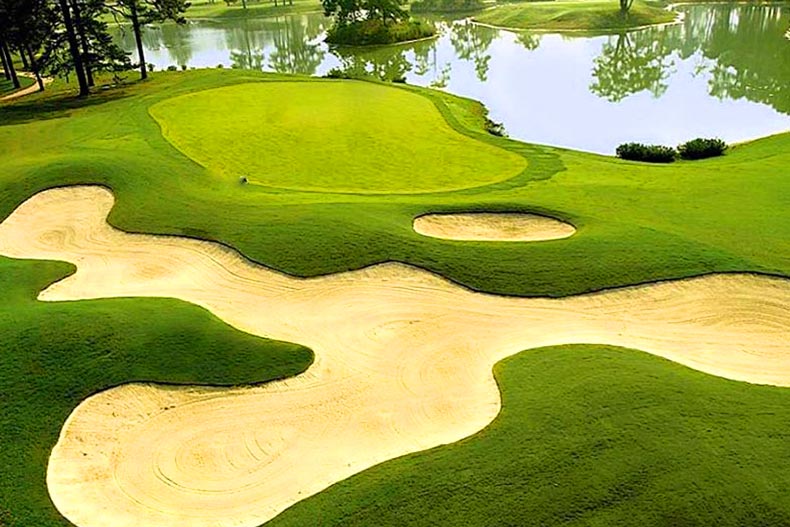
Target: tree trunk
(34,67)
(86,61)
(74,49)
(6,67)
(138,36)
(10,63)
(24,60)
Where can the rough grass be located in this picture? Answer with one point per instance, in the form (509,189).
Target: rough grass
(54,355)
(588,436)
(7,87)
(589,15)
(331,136)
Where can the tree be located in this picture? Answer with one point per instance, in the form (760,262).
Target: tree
(346,12)
(74,48)
(141,12)
(630,63)
(625,6)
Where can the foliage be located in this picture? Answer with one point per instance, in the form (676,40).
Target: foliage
(702,148)
(446,6)
(631,62)
(347,12)
(648,153)
(376,32)
(593,15)
(495,128)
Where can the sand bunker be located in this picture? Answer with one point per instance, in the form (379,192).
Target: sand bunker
(403,363)
(491,226)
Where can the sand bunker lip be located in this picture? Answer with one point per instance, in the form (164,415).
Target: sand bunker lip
(492,227)
(403,363)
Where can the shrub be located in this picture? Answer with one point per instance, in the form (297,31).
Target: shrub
(172,68)
(648,153)
(375,32)
(183,67)
(338,73)
(151,67)
(446,6)
(702,148)
(220,66)
(495,128)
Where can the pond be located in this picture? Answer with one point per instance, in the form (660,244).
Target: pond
(724,71)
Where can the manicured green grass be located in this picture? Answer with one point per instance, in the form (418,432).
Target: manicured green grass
(331,136)
(589,15)
(255,8)
(7,87)
(592,436)
(54,355)
(636,223)
(623,438)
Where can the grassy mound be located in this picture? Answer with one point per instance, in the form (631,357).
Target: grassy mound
(341,137)
(54,355)
(377,32)
(592,15)
(588,435)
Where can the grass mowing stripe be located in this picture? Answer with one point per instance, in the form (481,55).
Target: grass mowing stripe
(593,436)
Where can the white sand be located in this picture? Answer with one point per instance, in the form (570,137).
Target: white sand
(491,226)
(403,363)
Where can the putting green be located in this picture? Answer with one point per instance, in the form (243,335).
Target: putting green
(330,136)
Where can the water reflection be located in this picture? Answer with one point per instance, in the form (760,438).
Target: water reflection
(724,71)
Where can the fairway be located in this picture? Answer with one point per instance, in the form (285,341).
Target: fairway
(332,136)
(399,366)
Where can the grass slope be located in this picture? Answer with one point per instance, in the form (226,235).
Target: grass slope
(255,8)
(7,87)
(588,15)
(592,436)
(636,223)
(54,355)
(339,136)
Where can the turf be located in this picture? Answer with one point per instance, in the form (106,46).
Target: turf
(588,15)
(54,355)
(589,436)
(635,223)
(331,136)
(7,87)
(631,434)
(255,8)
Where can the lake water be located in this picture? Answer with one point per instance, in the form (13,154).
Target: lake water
(723,72)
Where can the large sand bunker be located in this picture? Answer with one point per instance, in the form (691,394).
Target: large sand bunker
(492,226)
(403,363)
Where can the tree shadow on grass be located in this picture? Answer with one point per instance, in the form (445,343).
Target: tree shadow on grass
(58,105)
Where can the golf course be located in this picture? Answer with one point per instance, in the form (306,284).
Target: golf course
(236,298)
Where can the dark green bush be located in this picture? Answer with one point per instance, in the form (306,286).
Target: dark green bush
(648,153)
(446,6)
(172,68)
(495,128)
(374,32)
(700,148)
